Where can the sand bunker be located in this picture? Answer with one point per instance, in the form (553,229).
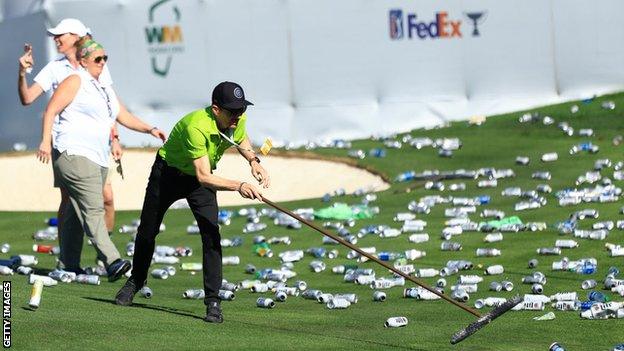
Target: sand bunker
(27,183)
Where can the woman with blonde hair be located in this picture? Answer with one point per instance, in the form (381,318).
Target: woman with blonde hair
(87,110)
(66,35)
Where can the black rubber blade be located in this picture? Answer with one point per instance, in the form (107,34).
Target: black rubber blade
(485,319)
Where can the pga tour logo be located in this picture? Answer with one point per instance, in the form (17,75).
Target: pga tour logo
(442,26)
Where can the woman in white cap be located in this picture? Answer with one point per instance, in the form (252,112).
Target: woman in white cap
(66,34)
(86,110)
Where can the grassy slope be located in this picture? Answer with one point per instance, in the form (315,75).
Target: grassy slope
(83,317)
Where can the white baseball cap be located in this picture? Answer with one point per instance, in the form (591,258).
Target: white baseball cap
(70,25)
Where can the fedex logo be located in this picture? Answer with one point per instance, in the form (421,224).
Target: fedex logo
(441,27)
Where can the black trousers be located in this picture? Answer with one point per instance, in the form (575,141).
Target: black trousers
(167,185)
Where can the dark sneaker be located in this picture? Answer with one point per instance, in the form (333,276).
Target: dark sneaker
(126,293)
(213,312)
(117,269)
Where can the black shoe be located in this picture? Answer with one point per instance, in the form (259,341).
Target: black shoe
(117,269)
(126,293)
(213,312)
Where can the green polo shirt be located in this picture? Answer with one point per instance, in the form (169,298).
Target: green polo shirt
(197,135)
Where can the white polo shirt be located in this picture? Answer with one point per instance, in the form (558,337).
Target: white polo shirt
(56,71)
(84,125)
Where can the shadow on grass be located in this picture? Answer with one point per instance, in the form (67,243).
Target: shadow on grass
(272,327)
(41,271)
(341,337)
(150,307)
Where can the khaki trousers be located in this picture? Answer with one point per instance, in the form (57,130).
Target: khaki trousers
(83,180)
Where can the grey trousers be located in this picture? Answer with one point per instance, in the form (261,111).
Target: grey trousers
(83,180)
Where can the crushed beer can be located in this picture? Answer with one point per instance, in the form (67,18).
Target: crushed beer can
(146,292)
(88,279)
(194,294)
(47,281)
(264,302)
(230,260)
(226,295)
(489,302)
(396,322)
(160,273)
(379,296)
(338,303)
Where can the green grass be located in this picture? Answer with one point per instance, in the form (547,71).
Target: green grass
(84,317)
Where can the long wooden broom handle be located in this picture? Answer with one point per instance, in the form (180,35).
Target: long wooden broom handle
(369,256)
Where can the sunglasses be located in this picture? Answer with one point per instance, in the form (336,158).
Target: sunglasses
(119,168)
(236,113)
(100,58)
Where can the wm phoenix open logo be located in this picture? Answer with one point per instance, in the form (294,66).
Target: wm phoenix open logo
(164,40)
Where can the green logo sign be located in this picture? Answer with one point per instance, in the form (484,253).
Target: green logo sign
(163,40)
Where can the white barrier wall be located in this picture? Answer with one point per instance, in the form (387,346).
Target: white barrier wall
(345,69)
(18,123)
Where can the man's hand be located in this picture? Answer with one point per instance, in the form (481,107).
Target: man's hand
(26,60)
(45,151)
(116,149)
(261,175)
(157,133)
(249,191)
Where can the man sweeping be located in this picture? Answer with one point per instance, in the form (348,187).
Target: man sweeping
(183,169)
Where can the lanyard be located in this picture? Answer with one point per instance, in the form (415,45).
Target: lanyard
(106,97)
(233,143)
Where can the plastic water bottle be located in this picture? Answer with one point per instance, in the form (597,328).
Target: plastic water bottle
(597,296)
(377,152)
(483,199)
(488,252)
(586,268)
(613,271)
(389,256)
(254,227)
(225,217)
(406,176)
(236,241)
(24,260)
(450,246)
(317,252)
(585,305)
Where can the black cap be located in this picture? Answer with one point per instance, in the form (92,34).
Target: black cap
(230,96)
